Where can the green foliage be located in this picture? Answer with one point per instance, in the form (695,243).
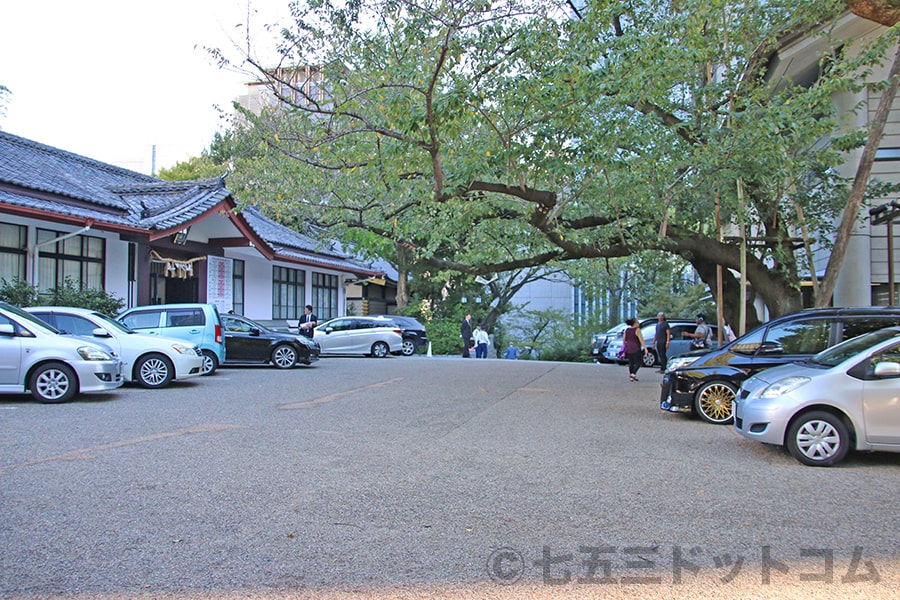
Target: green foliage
(18,292)
(488,137)
(69,293)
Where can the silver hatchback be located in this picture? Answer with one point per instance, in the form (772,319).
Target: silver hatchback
(36,358)
(840,399)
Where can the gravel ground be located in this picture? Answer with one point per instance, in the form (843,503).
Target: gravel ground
(425,477)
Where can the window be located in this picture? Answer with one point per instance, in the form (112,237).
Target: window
(325,295)
(288,293)
(185,317)
(803,337)
(237,286)
(142,319)
(13,252)
(80,258)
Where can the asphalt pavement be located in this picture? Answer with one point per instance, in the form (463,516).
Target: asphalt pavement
(425,477)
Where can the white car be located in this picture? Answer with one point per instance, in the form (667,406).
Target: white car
(371,336)
(152,361)
(35,358)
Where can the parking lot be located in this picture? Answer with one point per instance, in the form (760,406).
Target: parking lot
(417,477)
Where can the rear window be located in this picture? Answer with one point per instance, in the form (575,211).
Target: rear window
(185,317)
(860,325)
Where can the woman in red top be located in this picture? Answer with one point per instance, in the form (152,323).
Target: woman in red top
(635,347)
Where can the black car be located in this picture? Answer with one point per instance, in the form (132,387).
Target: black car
(599,342)
(705,383)
(248,342)
(414,334)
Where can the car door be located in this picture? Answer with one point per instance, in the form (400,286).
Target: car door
(240,341)
(10,353)
(881,401)
(336,338)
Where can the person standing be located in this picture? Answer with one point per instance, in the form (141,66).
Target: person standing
(702,334)
(481,342)
(635,347)
(465,332)
(308,321)
(512,353)
(662,340)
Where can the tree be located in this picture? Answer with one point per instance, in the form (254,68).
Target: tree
(487,137)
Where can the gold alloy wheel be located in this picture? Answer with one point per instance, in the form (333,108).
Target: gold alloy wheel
(715,402)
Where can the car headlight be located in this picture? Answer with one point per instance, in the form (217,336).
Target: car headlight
(92,353)
(779,388)
(184,349)
(680,362)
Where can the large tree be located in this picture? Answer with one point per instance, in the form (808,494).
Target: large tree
(492,136)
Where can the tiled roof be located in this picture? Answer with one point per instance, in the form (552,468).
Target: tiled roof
(292,244)
(39,177)
(54,180)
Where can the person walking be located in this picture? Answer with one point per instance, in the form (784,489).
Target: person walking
(481,342)
(662,340)
(465,332)
(635,347)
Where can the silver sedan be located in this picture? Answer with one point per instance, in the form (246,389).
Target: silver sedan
(847,397)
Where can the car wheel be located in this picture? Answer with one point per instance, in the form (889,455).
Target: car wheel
(818,439)
(714,402)
(284,356)
(53,382)
(409,348)
(380,350)
(649,358)
(153,371)
(210,363)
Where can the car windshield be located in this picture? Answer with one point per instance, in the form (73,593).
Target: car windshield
(849,348)
(111,323)
(30,318)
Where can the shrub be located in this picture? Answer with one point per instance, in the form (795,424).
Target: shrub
(69,293)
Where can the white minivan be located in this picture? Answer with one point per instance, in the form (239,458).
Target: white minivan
(36,358)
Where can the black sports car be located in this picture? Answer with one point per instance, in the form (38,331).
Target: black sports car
(248,342)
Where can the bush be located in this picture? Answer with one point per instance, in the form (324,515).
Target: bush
(21,293)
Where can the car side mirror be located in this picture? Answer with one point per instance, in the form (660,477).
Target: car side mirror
(329,329)
(100,332)
(255,331)
(771,348)
(7,329)
(887,369)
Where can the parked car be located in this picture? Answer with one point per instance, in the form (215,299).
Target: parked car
(600,341)
(677,345)
(250,342)
(36,358)
(705,383)
(414,335)
(195,322)
(149,360)
(370,336)
(841,399)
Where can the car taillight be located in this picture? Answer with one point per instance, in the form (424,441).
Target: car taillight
(400,331)
(219,334)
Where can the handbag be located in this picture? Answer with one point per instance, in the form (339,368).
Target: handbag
(621,354)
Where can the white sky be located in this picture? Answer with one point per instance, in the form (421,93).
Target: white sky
(111,79)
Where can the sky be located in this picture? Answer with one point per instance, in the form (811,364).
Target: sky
(114,79)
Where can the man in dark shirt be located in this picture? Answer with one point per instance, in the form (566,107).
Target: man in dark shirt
(662,339)
(465,332)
